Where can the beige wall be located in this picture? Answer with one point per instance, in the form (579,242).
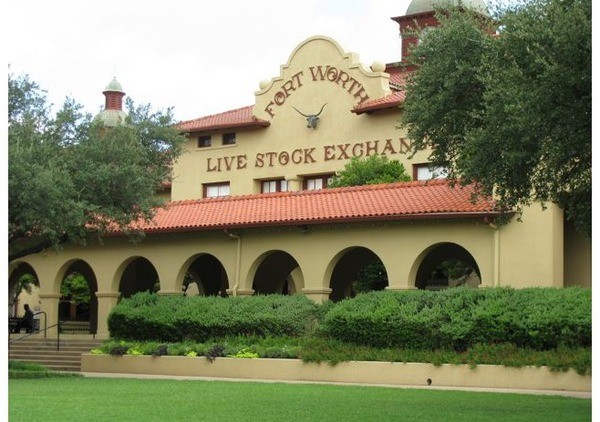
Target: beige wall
(340,134)
(519,254)
(531,250)
(401,246)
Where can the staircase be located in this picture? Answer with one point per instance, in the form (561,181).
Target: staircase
(43,351)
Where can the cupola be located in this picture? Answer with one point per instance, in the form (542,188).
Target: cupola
(421,14)
(113,113)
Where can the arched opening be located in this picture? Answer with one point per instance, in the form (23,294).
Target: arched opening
(205,276)
(447,265)
(277,274)
(139,276)
(78,304)
(23,288)
(358,270)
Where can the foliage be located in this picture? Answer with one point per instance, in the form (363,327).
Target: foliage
(320,349)
(245,353)
(27,370)
(18,365)
(512,112)
(369,171)
(372,277)
(535,326)
(25,282)
(145,316)
(71,178)
(454,268)
(75,288)
(536,318)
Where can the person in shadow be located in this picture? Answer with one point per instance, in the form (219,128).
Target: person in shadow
(28,319)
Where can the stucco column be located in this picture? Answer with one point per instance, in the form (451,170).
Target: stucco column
(317,295)
(240,292)
(163,292)
(396,288)
(49,305)
(399,277)
(106,301)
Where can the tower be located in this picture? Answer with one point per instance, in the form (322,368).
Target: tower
(420,14)
(113,113)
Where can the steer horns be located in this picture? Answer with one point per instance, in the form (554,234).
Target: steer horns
(312,120)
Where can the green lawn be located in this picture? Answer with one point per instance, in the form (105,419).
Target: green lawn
(112,399)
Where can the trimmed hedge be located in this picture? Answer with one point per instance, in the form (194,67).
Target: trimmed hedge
(537,318)
(147,316)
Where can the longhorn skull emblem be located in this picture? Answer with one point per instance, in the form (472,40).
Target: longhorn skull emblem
(312,120)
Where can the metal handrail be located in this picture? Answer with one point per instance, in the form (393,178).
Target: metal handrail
(58,324)
(45,331)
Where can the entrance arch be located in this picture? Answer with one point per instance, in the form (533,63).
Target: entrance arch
(277,273)
(446,265)
(206,276)
(357,270)
(138,276)
(78,288)
(23,285)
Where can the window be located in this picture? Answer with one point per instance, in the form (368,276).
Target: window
(427,172)
(204,141)
(229,139)
(215,190)
(318,182)
(270,186)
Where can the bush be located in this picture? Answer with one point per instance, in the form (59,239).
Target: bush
(147,316)
(459,318)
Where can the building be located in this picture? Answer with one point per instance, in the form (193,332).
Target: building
(251,212)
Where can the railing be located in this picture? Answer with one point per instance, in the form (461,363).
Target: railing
(58,326)
(45,330)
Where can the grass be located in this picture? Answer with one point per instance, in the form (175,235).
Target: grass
(113,399)
(18,369)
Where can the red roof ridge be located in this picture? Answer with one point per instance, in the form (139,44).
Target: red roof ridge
(388,201)
(216,114)
(326,191)
(242,117)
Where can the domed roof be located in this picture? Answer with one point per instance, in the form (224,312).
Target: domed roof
(112,118)
(423,6)
(114,86)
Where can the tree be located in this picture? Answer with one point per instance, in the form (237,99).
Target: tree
(506,103)
(75,289)
(25,283)
(71,178)
(369,171)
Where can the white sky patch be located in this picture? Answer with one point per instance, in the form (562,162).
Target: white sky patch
(198,57)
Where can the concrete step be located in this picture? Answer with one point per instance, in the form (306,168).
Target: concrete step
(43,352)
(75,327)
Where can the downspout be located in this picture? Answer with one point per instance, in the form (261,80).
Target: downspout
(238,261)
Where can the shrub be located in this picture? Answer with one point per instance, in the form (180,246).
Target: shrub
(146,316)
(458,318)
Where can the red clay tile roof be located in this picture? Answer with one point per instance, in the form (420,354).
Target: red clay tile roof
(241,117)
(393,100)
(395,201)
(398,77)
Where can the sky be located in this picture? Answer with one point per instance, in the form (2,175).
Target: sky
(199,57)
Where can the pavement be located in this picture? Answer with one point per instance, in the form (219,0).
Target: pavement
(563,393)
